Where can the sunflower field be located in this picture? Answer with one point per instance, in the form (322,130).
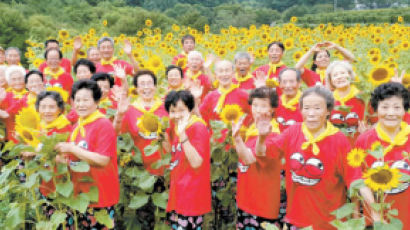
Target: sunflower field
(380,51)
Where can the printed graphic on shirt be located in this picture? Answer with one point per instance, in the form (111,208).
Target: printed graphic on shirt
(306,171)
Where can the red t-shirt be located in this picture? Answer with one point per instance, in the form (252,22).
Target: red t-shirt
(311,78)
(258,187)
(129,124)
(65,63)
(236,97)
(205,83)
(176,58)
(129,69)
(349,119)
(12,106)
(265,69)
(315,185)
(399,198)
(64,81)
(190,188)
(48,187)
(99,138)
(286,117)
(245,85)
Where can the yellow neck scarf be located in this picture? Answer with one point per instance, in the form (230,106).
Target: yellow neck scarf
(322,74)
(54,75)
(181,87)
(84,121)
(224,93)
(273,67)
(243,79)
(59,123)
(109,62)
(139,105)
(310,140)
(352,93)
(104,103)
(253,131)
(291,104)
(192,120)
(17,94)
(31,99)
(191,75)
(400,139)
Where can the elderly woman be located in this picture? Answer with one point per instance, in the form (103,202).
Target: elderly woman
(190,187)
(244,78)
(13,55)
(391,101)
(175,77)
(258,188)
(93,140)
(84,69)
(321,60)
(35,85)
(55,75)
(316,163)
(339,78)
(12,99)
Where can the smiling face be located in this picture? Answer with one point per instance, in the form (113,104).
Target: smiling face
(261,107)
(194,63)
(188,45)
(340,77)
(289,83)
(242,66)
(146,87)
(84,103)
(224,73)
(83,72)
(106,50)
(16,81)
(174,78)
(322,59)
(105,87)
(13,57)
(275,53)
(314,112)
(53,59)
(390,112)
(35,84)
(48,110)
(178,112)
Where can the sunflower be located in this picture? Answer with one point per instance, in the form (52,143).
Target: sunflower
(405,45)
(37,62)
(375,59)
(148,22)
(231,113)
(182,62)
(64,95)
(28,118)
(288,43)
(149,124)
(382,178)
(155,63)
(63,34)
(175,28)
(28,135)
(293,19)
(356,157)
(105,23)
(297,55)
(400,19)
(406,80)
(132,91)
(373,51)
(271,82)
(380,75)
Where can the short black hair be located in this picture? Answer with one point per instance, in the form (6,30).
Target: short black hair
(321,91)
(144,72)
(31,72)
(280,44)
(60,54)
(101,76)
(187,37)
(171,67)
(388,90)
(50,41)
(185,96)
(85,62)
(264,92)
(53,95)
(87,84)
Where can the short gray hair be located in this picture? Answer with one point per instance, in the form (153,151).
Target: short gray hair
(13,48)
(333,65)
(218,63)
(242,55)
(12,69)
(104,39)
(298,73)
(194,53)
(322,92)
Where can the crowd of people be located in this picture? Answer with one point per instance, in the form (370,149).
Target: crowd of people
(302,137)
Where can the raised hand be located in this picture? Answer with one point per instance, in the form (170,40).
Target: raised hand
(119,71)
(396,77)
(263,124)
(78,43)
(123,104)
(196,89)
(127,47)
(182,124)
(260,79)
(329,45)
